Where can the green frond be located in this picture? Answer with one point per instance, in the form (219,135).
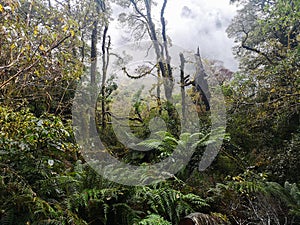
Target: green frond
(171,141)
(151,144)
(153,219)
(7,217)
(172,204)
(294,194)
(163,134)
(194,200)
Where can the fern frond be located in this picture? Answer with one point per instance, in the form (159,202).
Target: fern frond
(153,219)
(151,144)
(7,217)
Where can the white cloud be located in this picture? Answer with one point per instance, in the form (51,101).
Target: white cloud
(204,27)
(193,23)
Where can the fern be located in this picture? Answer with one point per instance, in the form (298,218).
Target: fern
(7,217)
(294,193)
(151,144)
(255,199)
(170,203)
(153,219)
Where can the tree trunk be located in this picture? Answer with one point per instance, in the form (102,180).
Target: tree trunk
(105,61)
(93,72)
(182,84)
(94,53)
(201,82)
(163,61)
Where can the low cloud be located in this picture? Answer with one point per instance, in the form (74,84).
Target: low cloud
(193,23)
(202,23)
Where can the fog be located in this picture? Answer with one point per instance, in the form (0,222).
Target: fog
(193,23)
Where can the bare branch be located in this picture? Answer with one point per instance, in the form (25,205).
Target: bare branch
(137,10)
(253,49)
(138,76)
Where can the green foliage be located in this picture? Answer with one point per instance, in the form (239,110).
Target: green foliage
(38,146)
(164,143)
(249,197)
(37,65)
(269,51)
(130,205)
(34,151)
(45,180)
(153,219)
(172,204)
(22,204)
(264,118)
(293,201)
(284,166)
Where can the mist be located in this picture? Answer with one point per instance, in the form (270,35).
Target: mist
(192,24)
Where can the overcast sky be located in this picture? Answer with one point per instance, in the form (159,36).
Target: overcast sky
(193,23)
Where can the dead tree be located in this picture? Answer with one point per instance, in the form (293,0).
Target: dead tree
(200,81)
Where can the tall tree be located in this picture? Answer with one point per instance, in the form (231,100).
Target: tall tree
(265,113)
(142,22)
(267,33)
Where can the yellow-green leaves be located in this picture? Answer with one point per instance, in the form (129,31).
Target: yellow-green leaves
(42,48)
(13,46)
(35,31)
(72,32)
(65,28)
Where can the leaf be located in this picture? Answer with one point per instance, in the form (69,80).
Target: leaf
(36,31)
(42,48)
(65,28)
(72,33)
(13,46)
(1,8)
(150,143)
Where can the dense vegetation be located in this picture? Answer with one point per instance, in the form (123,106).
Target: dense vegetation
(48,46)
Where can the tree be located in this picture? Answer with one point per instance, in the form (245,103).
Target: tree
(266,89)
(37,55)
(142,22)
(268,47)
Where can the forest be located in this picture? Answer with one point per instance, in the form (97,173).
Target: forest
(147,132)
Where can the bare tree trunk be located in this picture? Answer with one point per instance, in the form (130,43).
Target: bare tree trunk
(105,61)
(169,81)
(163,61)
(29,14)
(158,91)
(182,84)
(201,82)
(94,52)
(93,73)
